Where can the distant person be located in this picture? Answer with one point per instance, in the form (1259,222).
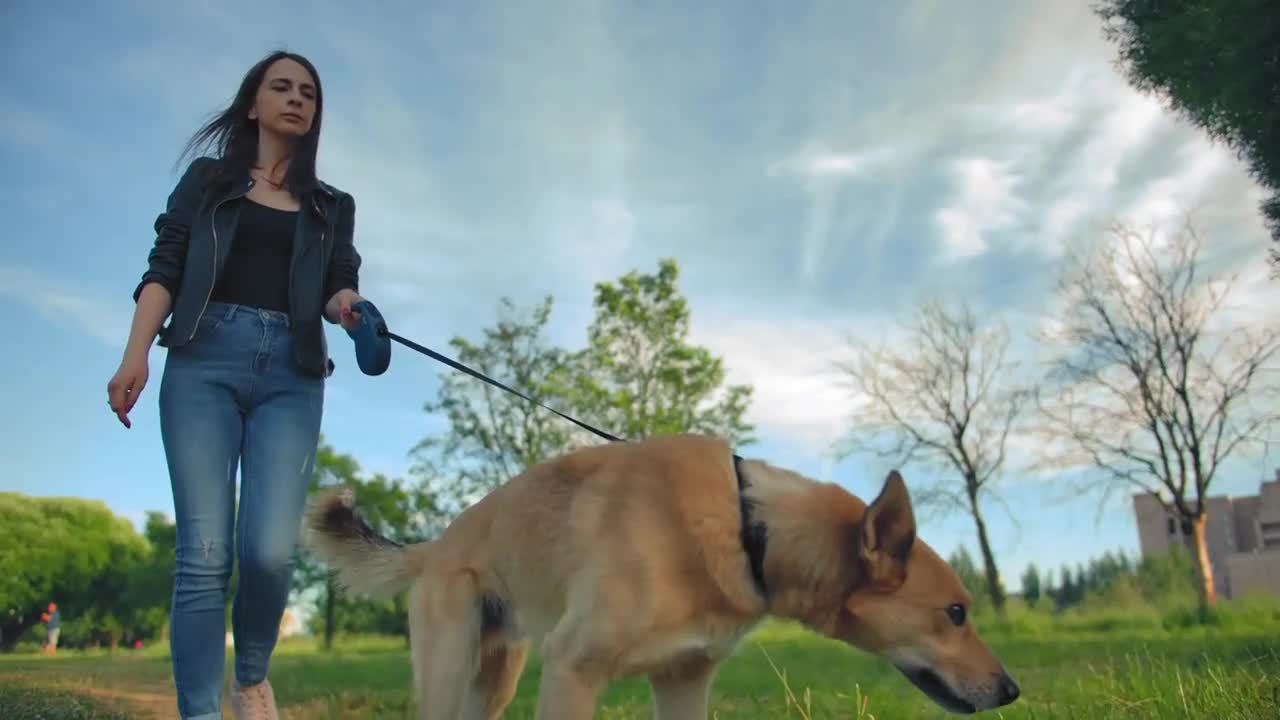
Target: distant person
(52,620)
(251,252)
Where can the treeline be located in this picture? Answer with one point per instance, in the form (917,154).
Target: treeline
(111,583)
(1114,580)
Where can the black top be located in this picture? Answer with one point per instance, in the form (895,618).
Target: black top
(257,268)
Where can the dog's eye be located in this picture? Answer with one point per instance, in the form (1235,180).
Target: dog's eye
(957,614)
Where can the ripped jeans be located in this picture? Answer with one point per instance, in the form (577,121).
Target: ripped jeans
(232,397)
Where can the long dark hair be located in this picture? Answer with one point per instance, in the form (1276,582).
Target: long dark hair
(232,137)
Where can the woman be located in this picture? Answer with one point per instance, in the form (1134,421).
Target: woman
(250,253)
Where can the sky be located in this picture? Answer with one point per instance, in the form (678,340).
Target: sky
(816,168)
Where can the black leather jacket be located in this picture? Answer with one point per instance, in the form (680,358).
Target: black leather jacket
(193,237)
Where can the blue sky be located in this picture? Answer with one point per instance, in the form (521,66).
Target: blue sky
(815,170)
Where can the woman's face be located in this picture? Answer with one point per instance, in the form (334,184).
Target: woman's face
(286,100)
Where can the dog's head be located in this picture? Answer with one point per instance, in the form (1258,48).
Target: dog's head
(911,609)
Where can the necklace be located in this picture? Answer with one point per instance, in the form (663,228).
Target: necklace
(261,175)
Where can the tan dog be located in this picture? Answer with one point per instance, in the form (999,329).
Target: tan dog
(655,558)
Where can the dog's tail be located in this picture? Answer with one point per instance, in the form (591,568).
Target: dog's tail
(363,560)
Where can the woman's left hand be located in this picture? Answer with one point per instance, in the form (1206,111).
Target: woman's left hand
(348,318)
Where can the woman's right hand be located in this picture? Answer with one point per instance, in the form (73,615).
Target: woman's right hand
(126,385)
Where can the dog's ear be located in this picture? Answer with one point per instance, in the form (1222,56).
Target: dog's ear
(887,532)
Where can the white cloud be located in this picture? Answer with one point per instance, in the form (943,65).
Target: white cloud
(105,321)
(25,127)
(834,164)
(1051,115)
(1088,189)
(985,201)
(1084,153)
(1125,127)
(1192,184)
(823,172)
(801,397)
(818,160)
(799,394)
(1237,268)
(60,142)
(589,236)
(1036,115)
(613,225)
(817,229)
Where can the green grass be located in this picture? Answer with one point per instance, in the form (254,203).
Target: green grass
(39,703)
(1097,667)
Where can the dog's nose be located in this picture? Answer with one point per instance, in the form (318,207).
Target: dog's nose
(1008,689)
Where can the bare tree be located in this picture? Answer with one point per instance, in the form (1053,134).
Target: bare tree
(1144,387)
(948,396)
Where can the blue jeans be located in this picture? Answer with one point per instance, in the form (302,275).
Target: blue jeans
(232,396)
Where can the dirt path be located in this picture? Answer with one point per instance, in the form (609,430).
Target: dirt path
(137,687)
(142,704)
(136,695)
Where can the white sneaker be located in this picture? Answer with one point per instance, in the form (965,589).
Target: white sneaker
(255,702)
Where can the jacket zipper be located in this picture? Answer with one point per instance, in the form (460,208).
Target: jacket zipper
(213,278)
(324,345)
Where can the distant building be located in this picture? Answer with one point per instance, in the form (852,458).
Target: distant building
(290,624)
(1243,536)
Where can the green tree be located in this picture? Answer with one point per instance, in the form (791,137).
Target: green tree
(1031,585)
(1217,63)
(310,575)
(391,507)
(492,435)
(1162,579)
(71,551)
(397,510)
(150,581)
(1066,596)
(639,375)
(970,576)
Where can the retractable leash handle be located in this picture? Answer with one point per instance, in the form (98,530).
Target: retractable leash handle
(373,346)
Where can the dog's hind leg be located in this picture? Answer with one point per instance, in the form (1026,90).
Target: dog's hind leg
(444,628)
(682,693)
(566,692)
(495,685)
(572,675)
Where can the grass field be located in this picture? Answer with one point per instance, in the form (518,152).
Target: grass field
(1096,668)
